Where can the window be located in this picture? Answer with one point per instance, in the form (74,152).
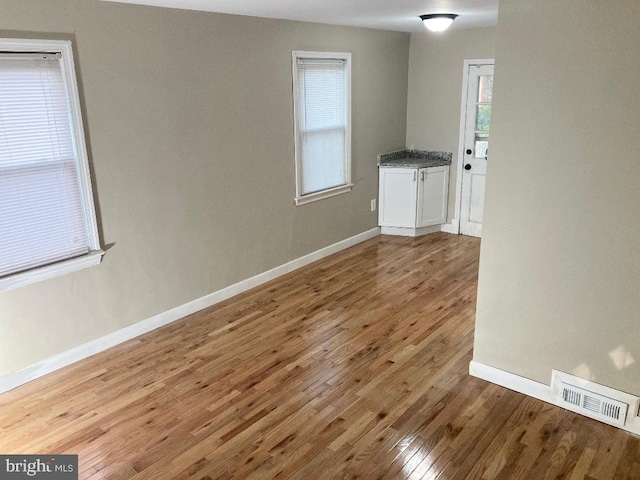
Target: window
(322,114)
(47,217)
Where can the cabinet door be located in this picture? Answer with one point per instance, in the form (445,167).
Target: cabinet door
(398,195)
(433,190)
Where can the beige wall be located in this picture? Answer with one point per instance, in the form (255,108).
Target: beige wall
(435,87)
(560,262)
(188,117)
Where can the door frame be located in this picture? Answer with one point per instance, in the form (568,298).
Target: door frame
(454,226)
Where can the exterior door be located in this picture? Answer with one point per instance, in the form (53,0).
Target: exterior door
(476,148)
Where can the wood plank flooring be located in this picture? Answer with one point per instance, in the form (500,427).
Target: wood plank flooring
(354,367)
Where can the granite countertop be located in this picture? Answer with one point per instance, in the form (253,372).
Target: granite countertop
(414,159)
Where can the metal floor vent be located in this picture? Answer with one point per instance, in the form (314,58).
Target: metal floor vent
(593,405)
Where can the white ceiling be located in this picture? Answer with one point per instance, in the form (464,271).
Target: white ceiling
(398,15)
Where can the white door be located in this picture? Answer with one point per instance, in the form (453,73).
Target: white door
(398,191)
(476,147)
(433,189)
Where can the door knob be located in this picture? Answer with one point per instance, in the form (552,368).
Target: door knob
(469,151)
(467,166)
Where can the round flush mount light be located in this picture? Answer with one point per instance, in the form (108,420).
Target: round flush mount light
(438,22)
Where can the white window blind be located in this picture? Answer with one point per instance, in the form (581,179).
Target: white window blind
(43,218)
(322,123)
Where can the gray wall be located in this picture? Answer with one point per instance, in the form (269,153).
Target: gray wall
(435,86)
(560,261)
(188,117)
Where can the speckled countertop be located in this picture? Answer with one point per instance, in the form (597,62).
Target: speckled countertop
(414,159)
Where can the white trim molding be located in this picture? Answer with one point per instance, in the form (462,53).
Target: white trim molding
(410,232)
(538,390)
(511,381)
(50,271)
(51,364)
(453,227)
(332,192)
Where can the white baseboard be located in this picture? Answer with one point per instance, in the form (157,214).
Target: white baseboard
(534,389)
(409,232)
(63,359)
(453,227)
(511,381)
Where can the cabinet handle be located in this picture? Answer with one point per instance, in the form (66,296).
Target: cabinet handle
(422,176)
(415,172)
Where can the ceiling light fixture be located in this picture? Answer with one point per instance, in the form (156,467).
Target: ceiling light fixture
(438,22)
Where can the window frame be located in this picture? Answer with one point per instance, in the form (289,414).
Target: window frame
(94,256)
(300,198)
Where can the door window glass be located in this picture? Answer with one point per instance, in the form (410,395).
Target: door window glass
(483,115)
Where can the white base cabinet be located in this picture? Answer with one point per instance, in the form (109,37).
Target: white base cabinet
(412,199)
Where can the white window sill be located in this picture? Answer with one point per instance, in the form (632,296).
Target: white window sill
(314,197)
(50,271)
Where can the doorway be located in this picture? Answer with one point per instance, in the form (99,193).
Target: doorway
(475,119)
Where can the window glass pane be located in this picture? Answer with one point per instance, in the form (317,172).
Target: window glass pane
(481,144)
(483,118)
(323,100)
(40,216)
(324,152)
(485,88)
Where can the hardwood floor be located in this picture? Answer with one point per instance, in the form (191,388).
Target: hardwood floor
(353,367)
